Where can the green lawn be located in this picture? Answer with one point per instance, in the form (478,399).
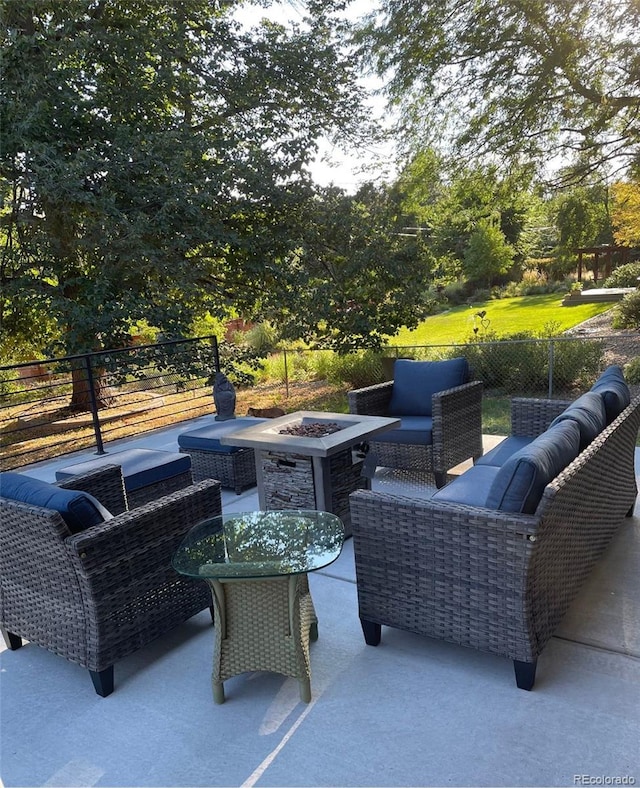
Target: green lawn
(505,316)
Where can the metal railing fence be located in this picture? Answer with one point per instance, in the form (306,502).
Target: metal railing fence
(57,406)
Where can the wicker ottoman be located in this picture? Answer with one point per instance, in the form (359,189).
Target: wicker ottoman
(148,473)
(230,465)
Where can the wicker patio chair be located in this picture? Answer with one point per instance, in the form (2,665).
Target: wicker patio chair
(98,595)
(440,429)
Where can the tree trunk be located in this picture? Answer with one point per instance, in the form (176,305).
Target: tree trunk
(81,393)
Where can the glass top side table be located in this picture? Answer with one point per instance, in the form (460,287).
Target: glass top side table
(256,564)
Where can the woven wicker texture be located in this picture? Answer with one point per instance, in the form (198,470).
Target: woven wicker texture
(97,596)
(531,417)
(494,581)
(235,469)
(263,625)
(457,428)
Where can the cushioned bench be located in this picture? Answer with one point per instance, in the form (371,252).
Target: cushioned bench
(232,466)
(148,473)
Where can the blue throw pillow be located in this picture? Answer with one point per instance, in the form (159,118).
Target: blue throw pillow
(78,509)
(614,391)
(415,382)
(520,482)
(589,413)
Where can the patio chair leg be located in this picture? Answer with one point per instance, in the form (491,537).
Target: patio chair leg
(630,512)
(372,632)
(525,673)
(103,681)
(213,613)
(13,641)
(441,478)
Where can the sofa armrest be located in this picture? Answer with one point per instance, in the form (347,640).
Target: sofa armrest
(531,417)
(132,552)
(372,400)
(457,424)
(106,484)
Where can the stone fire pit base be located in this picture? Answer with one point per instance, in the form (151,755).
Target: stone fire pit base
(295,481)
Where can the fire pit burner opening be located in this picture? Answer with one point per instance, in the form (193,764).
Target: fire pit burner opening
(316,429)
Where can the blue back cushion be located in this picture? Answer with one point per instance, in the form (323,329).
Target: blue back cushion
(589,414)
(614,391)
(415,382)
(78,509)
(520,482)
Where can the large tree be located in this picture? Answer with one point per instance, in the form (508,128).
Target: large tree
(358,276)
(153,159)
(520,79)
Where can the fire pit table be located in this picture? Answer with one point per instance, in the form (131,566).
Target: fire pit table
(310,460)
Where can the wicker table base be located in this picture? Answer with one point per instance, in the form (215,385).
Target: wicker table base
(263,624)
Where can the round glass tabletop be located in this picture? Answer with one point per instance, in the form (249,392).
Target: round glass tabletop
(260,544)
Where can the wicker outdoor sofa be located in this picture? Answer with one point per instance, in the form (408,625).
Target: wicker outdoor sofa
(494,580)
(98,595)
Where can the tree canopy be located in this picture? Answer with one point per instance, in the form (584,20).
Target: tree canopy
(153,159)
(540,81)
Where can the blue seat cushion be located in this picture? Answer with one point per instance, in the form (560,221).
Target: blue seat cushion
(589,414)
(520,482)
(78,509)
(470,488)
(415,383)
(614,391)
(140,467)
(503,451)
(413,430)
(207,438)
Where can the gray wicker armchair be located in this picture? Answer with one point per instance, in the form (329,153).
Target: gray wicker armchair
(454,421)
(97,596)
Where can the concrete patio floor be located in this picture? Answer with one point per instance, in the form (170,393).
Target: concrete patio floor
(411,712)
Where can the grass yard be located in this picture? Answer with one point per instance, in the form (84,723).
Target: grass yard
(504,316)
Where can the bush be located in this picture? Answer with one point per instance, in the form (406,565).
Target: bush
(262,337)
(457,293)
(632,371)
(624,276)
(519,364)
(357,369)
(627,312)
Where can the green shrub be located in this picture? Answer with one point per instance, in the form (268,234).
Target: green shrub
(295,365)
(262,337)
(624,276)
(627,312)
(519,364)
(357,369)
(457,293)
(576,363)
(632,371)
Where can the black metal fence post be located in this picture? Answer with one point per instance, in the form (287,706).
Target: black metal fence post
(216,353)
(551,360)
(94,405)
